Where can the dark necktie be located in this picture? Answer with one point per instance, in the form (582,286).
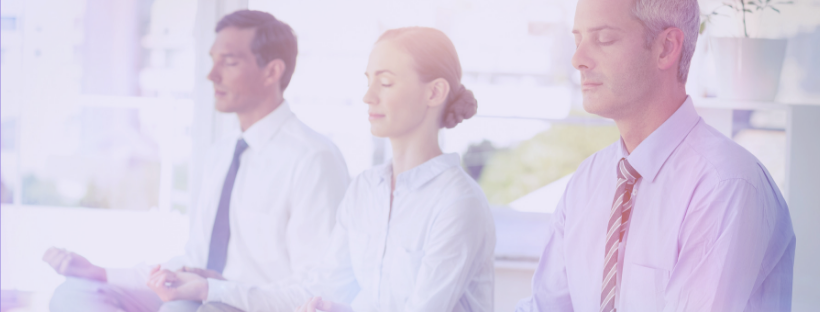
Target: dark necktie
(618,222)
(221,234)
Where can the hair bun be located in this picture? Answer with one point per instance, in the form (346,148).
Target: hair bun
(461,107)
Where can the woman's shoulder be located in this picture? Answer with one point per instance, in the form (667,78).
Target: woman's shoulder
(459,189)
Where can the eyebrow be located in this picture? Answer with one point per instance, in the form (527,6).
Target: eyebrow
(379,72)
(594,29)
(224,55)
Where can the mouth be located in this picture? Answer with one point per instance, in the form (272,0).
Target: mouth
(590,85)
(220,94)
(374,116)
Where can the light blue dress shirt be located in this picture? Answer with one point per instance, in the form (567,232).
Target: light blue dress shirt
(431,250)
(710,230)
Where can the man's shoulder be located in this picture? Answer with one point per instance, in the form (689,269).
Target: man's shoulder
(719,155)
(303,139)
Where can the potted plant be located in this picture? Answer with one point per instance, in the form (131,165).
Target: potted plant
(747,68)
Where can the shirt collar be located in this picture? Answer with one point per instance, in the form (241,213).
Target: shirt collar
(652,153)
(421,174)
(267,127)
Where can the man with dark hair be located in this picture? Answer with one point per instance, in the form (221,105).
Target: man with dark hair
(268,198)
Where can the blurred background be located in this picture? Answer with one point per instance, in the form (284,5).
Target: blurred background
(106,114)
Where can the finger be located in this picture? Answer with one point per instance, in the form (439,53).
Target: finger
(50,253)
(167,279)
(160,279)
(197,271)
(188,270)
(304,307)
(154,281)
(60,262)
(54,259)
(154,270)
(55,256)
(324,305)
(313,304)
(171,277)
(64,264)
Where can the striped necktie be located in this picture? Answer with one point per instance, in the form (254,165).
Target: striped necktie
(618,223)
(221,234)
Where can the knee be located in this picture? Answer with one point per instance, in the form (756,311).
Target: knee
(217,307)
(180,306)
(72,294)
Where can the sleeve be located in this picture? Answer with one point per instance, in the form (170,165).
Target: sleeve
(318,188)
(459,245)
(723,242)
(550,289)
(333,279)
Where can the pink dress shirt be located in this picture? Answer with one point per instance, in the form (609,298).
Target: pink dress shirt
(710,230)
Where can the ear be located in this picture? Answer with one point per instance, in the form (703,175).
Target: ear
(670,43)
(273,72)
(437,91)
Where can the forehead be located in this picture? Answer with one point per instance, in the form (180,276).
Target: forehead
(594,14)
(387,55)
(233,40)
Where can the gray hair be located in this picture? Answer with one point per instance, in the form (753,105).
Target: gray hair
(658,15)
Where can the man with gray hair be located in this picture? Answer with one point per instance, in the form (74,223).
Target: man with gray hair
(674,216)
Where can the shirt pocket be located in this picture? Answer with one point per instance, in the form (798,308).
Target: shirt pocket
(643,288)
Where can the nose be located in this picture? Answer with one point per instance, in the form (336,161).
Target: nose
(213,75)
(581,59)
(370,96)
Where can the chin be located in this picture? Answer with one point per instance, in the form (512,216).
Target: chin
(377,132)
(223,107)
(601,107)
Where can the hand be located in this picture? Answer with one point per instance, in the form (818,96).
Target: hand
(67,263)
(205,273)
(317,304)
(178,285)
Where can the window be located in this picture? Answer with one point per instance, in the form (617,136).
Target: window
(97,108)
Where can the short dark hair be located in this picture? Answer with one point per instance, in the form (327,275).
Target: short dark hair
(273,39)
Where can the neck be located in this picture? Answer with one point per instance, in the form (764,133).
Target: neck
(251,116)
(651,113)
(412,150)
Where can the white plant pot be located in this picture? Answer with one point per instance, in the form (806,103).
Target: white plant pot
(747,68)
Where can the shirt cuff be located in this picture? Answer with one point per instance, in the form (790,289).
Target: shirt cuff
(217,289)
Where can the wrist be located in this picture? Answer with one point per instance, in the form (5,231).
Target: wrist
(100,274)
(203,293)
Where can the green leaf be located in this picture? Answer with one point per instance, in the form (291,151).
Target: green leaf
(702,27)
(776,10)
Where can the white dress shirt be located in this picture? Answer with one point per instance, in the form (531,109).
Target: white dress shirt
(709,229)
(283,203)
(432,251)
